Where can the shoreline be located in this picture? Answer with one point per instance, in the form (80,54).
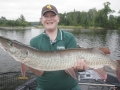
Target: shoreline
(69,28)
(15,28)
(74,27)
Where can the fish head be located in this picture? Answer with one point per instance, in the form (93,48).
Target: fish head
(5,43)
(17,51)
(13,48)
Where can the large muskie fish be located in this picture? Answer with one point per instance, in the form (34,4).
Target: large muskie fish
(61,59)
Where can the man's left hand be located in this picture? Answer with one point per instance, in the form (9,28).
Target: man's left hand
(80,65)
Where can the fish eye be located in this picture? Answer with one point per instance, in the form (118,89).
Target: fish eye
(10,43)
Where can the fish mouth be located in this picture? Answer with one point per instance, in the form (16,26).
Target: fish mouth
(2,47)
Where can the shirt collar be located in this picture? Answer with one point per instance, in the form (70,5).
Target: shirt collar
(59,35)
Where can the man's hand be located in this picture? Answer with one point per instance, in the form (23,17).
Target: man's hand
(80,65)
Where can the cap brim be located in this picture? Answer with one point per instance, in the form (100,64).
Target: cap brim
(49,11)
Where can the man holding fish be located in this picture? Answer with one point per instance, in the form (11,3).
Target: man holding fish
(53,39)
(51,58)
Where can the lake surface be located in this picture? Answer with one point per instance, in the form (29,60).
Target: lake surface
(85,38)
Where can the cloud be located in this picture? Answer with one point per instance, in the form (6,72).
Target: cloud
(31,9)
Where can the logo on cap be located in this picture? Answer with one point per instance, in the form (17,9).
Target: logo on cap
(48,7)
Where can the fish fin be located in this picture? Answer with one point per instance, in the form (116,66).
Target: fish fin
(101,72)
(35,71)
(71,72)
(23,69)
(118,70)
(105,50)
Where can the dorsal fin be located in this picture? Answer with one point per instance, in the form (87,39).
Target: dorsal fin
(105,50)
(101,50)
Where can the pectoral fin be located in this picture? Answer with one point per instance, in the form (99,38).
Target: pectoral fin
(101,72)
(71,72)
(23,69)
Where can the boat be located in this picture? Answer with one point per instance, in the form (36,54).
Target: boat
(86,81)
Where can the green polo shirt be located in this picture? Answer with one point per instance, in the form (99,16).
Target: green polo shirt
(55,80)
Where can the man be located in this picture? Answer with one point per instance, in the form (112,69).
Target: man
(53,39)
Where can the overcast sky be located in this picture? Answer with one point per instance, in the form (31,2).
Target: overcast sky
(31,9)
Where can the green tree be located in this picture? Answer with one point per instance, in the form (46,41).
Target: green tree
(112,22)
(92,15)
(102,16)
(22,18)
(2,21)
(118,21)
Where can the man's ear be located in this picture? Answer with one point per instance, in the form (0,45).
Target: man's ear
(58,18)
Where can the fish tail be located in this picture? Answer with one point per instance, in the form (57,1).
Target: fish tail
(101,72)
(118,70)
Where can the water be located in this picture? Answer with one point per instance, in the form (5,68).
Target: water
(85,38)
(98,38)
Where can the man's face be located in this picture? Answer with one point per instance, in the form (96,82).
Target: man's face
(50,20)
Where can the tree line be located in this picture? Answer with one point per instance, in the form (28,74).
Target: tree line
(92,18)
(18,22)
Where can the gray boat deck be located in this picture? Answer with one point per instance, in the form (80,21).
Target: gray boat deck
(88,80)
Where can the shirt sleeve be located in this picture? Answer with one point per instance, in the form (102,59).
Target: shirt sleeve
(33,43)
(70,41)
